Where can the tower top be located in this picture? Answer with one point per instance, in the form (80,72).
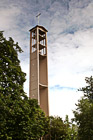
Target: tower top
(39,27)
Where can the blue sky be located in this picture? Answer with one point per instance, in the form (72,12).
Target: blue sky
(70,44)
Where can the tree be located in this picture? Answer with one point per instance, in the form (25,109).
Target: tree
(20,117)
(11,76)
(84,112)
(61,130)
(57,129)
(71,130)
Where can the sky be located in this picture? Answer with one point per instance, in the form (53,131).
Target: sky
(70,44)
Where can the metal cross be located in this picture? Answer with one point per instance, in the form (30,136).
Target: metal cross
(38,17)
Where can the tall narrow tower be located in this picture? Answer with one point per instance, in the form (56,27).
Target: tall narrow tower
(39,67)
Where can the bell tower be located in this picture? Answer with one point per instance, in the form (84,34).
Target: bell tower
(38,87)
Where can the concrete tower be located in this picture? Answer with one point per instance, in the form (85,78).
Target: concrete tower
(39,67)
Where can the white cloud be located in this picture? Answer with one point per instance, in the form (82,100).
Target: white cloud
(70,57)
(62,102)
(69,20)
(8,18)
(82,17)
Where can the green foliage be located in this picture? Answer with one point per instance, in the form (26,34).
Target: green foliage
(71,130)
(84,112)
(61,130)
(20,117)
(88,90)
(11,76)
(57,128)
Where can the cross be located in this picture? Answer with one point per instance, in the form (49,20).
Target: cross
(38,17)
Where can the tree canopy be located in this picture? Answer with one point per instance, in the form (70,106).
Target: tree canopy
(20,117)
(61,130)
(11,76)
(84,112)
